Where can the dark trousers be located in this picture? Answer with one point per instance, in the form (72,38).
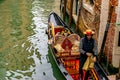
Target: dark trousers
(84,74)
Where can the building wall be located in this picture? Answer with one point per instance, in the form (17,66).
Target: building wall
(109,43)
(111,32)
(103,21)
(116,48)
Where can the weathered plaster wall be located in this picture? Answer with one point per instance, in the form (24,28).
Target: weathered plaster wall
(116,48)
(103,21)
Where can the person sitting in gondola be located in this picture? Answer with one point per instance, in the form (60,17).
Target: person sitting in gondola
(88,50)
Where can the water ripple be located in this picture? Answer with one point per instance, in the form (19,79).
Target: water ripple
(39,41)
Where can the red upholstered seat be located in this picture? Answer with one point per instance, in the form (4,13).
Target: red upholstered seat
(67,44)
(58,30)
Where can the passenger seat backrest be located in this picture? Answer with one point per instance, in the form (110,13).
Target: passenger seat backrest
(67,44)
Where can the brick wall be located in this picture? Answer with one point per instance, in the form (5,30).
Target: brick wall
(109,42)
(111,31)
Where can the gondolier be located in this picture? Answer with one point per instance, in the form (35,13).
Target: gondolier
(88,49)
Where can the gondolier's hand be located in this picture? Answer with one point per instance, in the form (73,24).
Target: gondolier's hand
(94,59)
(88,54)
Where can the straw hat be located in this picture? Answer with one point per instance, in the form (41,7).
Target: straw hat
(89,32)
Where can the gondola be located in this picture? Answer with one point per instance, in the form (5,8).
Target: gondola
(64,47)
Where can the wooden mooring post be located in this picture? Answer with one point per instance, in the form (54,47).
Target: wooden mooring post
(70,15)
(64,12)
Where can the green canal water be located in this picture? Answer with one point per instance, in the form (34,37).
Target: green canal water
(24,52)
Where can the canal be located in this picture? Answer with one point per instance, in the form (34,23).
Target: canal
(24,52)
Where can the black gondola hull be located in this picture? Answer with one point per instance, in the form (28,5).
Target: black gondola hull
(56,21)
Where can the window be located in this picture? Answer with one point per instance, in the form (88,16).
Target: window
(119,40)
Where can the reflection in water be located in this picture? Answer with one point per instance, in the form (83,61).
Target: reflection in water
(42,68)
(31,62)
